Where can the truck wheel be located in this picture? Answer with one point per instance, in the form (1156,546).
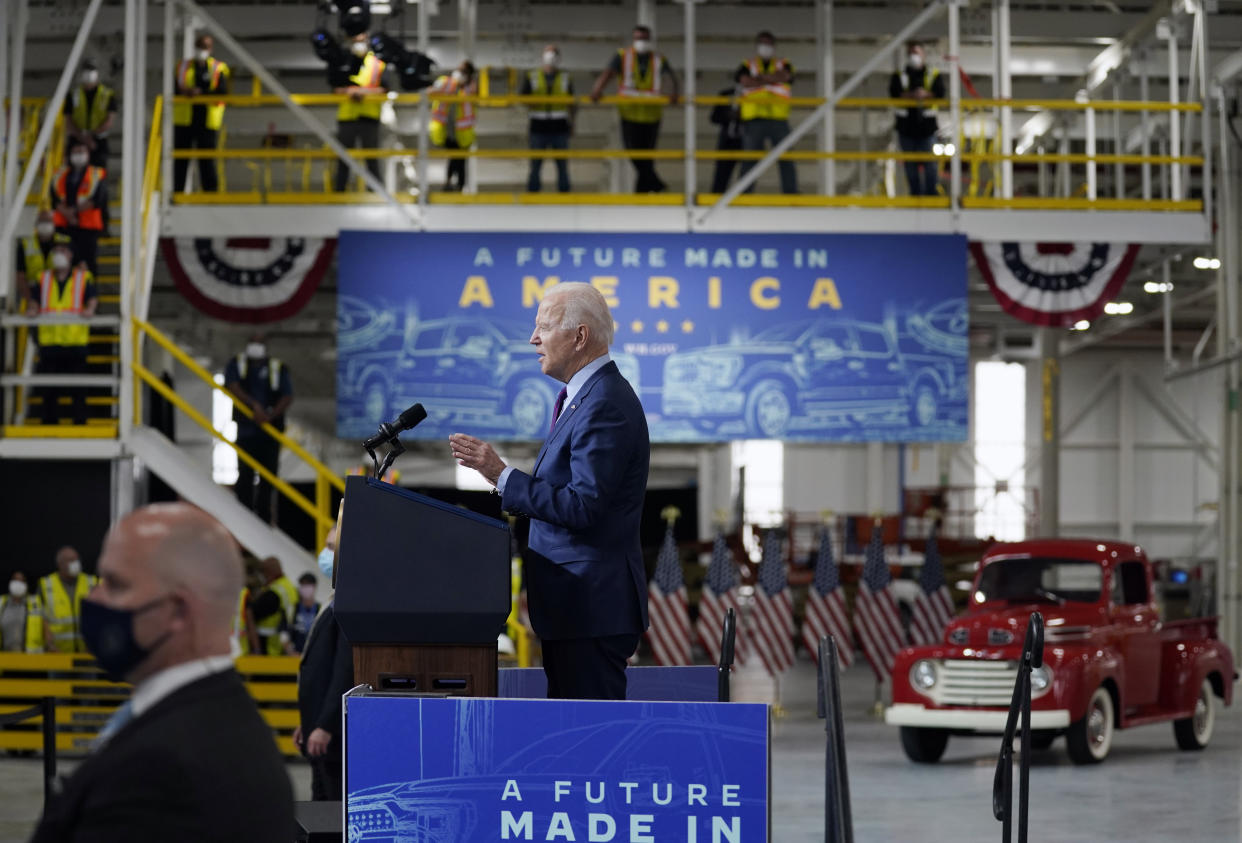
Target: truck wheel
(375,401)
(769,409)
(923,745)
(1090,738)
(1195,731)
(923,405)
(531,409)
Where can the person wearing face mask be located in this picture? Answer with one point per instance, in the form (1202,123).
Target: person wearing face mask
(78,195)
(263,385)
(357,118)
(21,618)
(61,593)
(642,74)
(198,125)
(303,613)
(551,124)
(325,673)
(188,757)
(90,111)
(452,123)
(916,126)
(34,253)
(767,85)
(63,291)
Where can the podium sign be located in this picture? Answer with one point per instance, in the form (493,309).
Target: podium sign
(468,769)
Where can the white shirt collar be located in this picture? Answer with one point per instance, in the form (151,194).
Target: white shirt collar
(582,375)
(159,685)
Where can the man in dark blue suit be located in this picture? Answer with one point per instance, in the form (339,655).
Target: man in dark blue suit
(584,576)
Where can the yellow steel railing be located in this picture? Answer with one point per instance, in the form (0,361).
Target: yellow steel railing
(973,193)
(325,480)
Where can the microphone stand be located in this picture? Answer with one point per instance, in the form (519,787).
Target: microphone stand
(395,449)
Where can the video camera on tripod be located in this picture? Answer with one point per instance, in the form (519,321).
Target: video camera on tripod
(414,69)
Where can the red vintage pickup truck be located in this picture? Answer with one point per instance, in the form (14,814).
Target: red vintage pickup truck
(1109,661)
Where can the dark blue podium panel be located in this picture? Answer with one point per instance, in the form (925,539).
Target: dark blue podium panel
(694,683)
(475,770)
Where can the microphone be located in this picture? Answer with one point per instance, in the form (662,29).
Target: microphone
(388,432)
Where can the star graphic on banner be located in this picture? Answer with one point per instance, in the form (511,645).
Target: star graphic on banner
(687,327)
(662,326)
(636,326)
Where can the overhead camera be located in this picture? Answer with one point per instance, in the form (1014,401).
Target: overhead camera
(414,70)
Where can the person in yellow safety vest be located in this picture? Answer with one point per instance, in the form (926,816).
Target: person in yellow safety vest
(551,124)
(21,618)
(34,253)
(198,125)
(66,293)
(243,625)
(272,608)
(78,195)
(358,118)
(90,110)
(642,73)
(452,123)
(767,85)
(62,593)
(916,126)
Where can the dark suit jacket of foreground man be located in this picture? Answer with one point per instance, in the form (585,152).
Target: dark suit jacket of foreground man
(200,765)
(584,574)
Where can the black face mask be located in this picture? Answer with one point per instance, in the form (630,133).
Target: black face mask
(109,636)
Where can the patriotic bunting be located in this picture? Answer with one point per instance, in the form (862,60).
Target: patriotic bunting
(876,618)
(669,633)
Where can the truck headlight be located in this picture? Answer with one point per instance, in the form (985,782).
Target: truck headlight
(924,674)
(1041,680)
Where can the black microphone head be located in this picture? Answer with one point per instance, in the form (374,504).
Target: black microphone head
(411,417)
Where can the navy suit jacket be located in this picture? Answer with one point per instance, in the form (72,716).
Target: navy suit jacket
(584,574)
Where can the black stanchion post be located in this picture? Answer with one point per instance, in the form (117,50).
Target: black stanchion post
(1020,705)
(838,820)
(49,746)
(725,669)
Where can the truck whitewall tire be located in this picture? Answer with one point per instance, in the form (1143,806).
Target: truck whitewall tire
(1091,737)
(1195,731)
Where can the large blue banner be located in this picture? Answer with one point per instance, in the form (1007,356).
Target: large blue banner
(791,336)
(460,770)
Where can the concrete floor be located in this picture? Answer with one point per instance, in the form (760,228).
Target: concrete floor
(1145,791)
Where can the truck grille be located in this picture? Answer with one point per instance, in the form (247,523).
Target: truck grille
(975,682)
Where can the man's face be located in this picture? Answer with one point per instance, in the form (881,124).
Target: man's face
(555,345)
(64,561)
(126,581)
(207,45)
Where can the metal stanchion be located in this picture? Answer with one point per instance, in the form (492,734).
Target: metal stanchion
(838,820)
(1002,783)
(49,746)
(725,669)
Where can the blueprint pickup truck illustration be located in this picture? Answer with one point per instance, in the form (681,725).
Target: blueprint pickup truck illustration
(464,369)
(819,373)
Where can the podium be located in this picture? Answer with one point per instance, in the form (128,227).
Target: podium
(422,591)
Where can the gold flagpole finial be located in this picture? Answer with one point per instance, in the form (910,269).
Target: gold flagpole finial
(670,514)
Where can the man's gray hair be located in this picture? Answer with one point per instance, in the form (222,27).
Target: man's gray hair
(582,304)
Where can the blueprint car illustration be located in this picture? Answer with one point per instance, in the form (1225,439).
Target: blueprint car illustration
(823,372)
(444,810)
(463,369)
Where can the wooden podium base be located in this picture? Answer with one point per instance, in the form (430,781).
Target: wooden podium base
(463,670)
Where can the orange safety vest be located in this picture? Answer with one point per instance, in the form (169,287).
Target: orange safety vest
(183,112)
(368,76)
(766,102)
(92,219)
(465,110)
(71,298)
(636,84)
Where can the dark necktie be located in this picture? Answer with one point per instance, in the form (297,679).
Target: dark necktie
(560,405)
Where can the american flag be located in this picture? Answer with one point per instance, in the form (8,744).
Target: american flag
(773,616)
(876,618)
(669,633)
(933,605)
(718,596)
(825,606)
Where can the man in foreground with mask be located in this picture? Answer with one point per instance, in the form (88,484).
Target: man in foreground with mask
(550,123)
(188,757)
(325,674)
(63,291)
(643,73)
(262,384)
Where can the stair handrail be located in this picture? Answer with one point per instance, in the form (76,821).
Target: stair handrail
(1019,706)
(325,478)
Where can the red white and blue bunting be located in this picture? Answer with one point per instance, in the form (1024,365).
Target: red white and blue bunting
(1054,284)
(248,279)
